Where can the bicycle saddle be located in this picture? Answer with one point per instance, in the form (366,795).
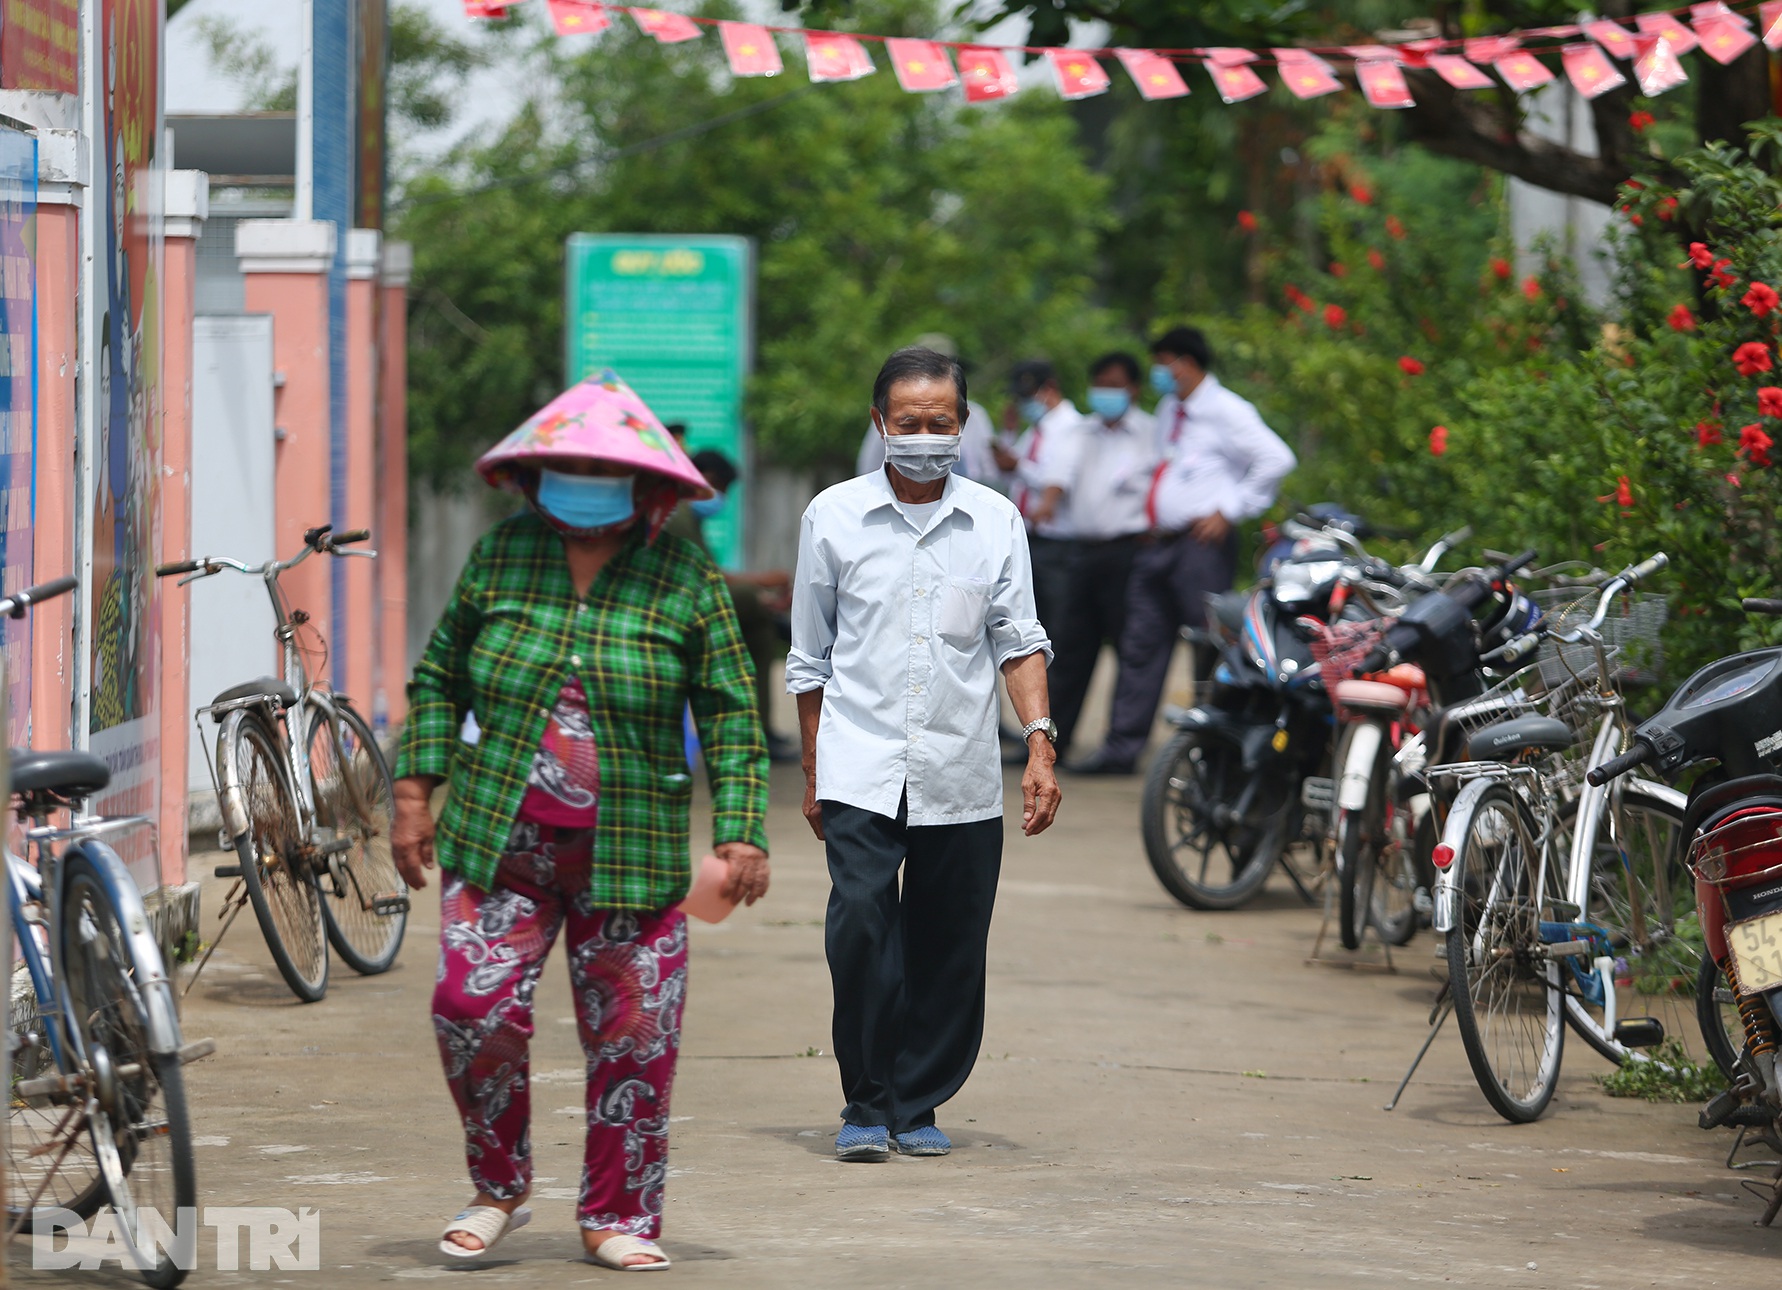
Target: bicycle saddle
(270,686)
(68,774)
(1504,739)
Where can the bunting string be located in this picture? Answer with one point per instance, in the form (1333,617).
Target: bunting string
(1587,51)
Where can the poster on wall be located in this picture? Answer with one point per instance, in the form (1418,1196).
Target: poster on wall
(40,45)
(122,610)
(18,410)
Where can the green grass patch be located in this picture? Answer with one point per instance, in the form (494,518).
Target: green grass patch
(1669,1076)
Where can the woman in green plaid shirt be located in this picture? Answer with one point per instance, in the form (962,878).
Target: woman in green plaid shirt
(578,636)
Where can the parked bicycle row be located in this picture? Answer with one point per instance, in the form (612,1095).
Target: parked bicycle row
(1457,753)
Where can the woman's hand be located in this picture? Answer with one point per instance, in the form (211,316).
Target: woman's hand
(411,836)
(748,871)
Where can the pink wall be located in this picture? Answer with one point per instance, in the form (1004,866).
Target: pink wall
(176,544)
(392,528)
(355,664)
(58,359)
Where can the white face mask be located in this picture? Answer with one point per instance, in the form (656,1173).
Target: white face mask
(922,458)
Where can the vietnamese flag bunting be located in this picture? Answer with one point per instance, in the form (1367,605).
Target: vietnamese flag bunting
(1155,75)
(576,18)
(1724,38)
(1461,74)
(750,49)
(831,56)
(1488,49)
(1769,22)
(1658,69)
(920,65)
(1234,80)
(487,8)
(1384,83)
(1666,28)
(1079,75)
(1589,69)
(1612,36)
(1305,75)
(1521,70)
(987,75)
(669,28)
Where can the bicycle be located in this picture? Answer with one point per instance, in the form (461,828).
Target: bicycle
(306,799)
(97,1106)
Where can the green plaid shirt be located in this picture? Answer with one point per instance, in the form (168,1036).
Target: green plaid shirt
(656,632)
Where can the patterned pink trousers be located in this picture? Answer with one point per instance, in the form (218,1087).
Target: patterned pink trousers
(628,972)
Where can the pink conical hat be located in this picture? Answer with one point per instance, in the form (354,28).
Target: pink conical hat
(600,419)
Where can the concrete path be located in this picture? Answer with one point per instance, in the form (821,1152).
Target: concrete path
(1165,1098)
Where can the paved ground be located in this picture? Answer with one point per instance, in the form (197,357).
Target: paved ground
(1165,1098)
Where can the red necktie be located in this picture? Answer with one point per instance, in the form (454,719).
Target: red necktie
(1033,449)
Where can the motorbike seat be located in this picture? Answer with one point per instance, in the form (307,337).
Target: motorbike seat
(269,686)
(1706,807)
(1504,739)
(66,774)
(1373,696)
(1226,609)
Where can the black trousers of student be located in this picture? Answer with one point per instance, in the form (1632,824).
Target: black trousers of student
(1096,600)
(907,963)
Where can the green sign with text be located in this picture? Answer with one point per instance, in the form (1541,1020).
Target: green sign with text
(675,317)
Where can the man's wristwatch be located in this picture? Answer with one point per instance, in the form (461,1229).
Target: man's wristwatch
(1043,723)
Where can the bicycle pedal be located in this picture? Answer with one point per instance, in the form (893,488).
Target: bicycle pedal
(335,846)
(196,1049)
(228,871)
(1317,793)
(389,905)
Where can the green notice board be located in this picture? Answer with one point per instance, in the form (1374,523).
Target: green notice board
(675,317)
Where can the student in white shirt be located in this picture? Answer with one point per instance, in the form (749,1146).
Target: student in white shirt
(1041,469)
(913,591)
(1223,467)
(1119,456)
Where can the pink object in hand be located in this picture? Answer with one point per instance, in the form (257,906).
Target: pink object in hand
(707,901)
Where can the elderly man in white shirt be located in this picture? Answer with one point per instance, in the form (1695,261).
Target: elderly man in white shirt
(1223,466)
(1041,470)
(913,590)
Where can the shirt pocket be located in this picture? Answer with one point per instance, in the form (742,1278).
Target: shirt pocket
(964,609)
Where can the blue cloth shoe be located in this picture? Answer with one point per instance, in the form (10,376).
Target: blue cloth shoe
(926,1141)
(863,1142)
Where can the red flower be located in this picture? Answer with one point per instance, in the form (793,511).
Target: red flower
(1297,298)
(1438,441)
(1246,221)
(1374,258)
(1681,319)
(1410,366)
(1640,122)
(1335,316)
(1723,274)
(1361,193)
(1338,269)
(1761,299)
(1501,267)
(1707,433)
(1531,287)
(1755,444)
(1623,492)
(1751,358)
(1394,228)
(1667,209)
(1733,480)
(1633,216)
(1700,256)
(1769,402)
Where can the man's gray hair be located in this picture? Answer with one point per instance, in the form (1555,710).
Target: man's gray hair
(916,363)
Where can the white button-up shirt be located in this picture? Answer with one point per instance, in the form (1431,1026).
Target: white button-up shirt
(904,629)
(1107,499)
(1222,458)
(1046,456)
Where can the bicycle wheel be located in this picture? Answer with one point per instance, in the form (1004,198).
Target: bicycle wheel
(1717,1016)
(1642,895)
(355,800)
(49,1157)
(140,1093)
(1205,851)
(1507,1000)
(274,865)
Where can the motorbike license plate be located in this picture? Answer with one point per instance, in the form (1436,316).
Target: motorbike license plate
(1757,946)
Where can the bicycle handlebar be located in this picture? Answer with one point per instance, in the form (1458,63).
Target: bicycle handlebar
(15,605)
(1761,605)
(1639,755)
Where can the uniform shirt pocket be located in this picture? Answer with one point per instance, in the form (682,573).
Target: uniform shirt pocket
(964,608)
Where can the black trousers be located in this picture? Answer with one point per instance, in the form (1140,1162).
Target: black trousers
(908,966)
(1095,614)
(1053,562)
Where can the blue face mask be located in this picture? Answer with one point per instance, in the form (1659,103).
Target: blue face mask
(1032,410)
(586,501)
(707,508)
(1108,404)
(1163,379)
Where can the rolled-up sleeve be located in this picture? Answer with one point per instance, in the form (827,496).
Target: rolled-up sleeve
(808,663)
(1015,630)
(439,691)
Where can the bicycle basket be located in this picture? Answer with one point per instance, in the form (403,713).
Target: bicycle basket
(1630,631)
(1338,648)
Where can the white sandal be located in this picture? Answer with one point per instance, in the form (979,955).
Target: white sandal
(485,1222)
(615,1249)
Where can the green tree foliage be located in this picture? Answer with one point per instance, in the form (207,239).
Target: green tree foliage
(877,215)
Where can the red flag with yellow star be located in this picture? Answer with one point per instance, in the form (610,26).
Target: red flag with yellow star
(1668,29)
(1724,37)
(920,65)
(669,28)
(1769,22)
(1589,69)
(988,75)
(831,56)
(1079,75)
(1306,75)
(1521,70)
(1383,81)
(750,49)
(578,18)
(1658,68)
(1612,36)
(1157,77)
(1459,73)
(487,8)
(1232,77)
